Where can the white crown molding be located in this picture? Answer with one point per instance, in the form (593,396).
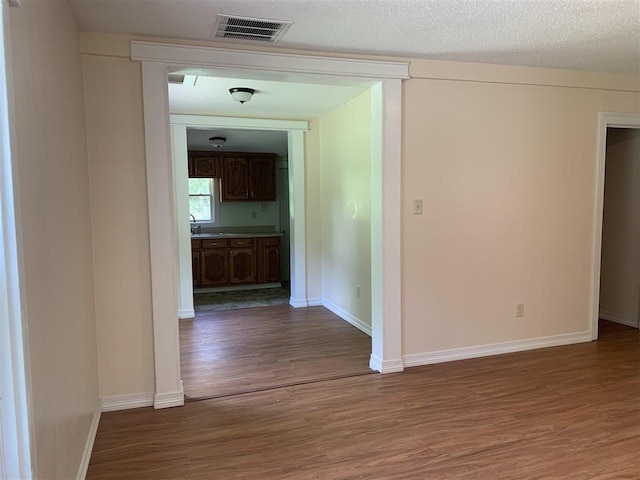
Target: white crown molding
(429,358)
(238,123)
(347,317)
(88,446)
(191,55)
(125,402)
(166,400)
(622,319)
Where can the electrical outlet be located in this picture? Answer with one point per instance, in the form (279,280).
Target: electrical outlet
(357,291)
(520,310)
(264,207)
(417,207)
(254,215)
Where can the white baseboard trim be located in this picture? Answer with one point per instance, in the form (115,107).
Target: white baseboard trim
(627,320)
(186,313)
(386,366)
(125,402)
(88,446)
(429,358)
(346,316)
(314,302)
(167,400)
(298,302)
(237,288)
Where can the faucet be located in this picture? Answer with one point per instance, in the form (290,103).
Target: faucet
(197,229)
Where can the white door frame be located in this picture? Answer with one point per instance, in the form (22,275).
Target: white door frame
(386,80)
(606,120)
(15,434)
(295,131)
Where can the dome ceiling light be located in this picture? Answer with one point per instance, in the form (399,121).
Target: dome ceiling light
(241,94)
(217,142)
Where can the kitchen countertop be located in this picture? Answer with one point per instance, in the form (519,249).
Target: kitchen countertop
(199,236)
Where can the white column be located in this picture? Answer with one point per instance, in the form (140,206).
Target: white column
(181,195)
(162,234)
(297,220)
(386,153)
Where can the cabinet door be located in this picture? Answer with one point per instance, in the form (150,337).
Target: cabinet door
(272,264)
(202,166)
(242,266)
(195,267)
(235,179)
(214,267)
(262,179)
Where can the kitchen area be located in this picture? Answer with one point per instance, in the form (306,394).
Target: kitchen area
(238,210)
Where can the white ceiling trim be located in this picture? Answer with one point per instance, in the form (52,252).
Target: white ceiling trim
(238,123)
(239,59)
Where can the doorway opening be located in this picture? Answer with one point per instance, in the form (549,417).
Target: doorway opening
(289,347)
(618,236)
(384,78)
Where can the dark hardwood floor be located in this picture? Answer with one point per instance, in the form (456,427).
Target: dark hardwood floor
(569,412)
(238,351)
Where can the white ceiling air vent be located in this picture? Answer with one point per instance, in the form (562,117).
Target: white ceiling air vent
(254,29)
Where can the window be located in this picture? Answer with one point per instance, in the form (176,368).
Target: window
(202,200)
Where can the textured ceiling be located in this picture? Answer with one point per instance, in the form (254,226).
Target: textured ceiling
(596,35)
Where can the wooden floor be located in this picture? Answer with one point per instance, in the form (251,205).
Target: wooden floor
(238,351)
(568,412)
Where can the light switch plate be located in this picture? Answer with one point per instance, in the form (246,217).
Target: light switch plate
(417,207)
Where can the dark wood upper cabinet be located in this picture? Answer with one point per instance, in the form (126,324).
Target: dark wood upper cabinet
(204,164)
(262,179)
(244,176)
(235,179)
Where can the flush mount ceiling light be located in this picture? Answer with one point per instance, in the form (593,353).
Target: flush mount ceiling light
(217,141)
(241,94)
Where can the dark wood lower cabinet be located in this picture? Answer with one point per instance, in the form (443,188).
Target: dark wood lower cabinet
(214,267)
(271,264)
(241,261)
(242,266)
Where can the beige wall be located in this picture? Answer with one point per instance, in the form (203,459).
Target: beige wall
(503,157)
(115,138)
(620,273)
(345,163)
(507,174)
(53,186)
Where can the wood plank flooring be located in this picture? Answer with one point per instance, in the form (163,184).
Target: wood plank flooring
(569,412)
(237,351)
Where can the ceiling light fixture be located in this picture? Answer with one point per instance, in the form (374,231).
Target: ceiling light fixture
(241,94)
(217,142)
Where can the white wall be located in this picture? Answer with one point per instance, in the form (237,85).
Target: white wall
(56,247)
(620,271)
(345,165)
(240,214)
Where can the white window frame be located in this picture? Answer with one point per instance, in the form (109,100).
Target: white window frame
(215,205)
